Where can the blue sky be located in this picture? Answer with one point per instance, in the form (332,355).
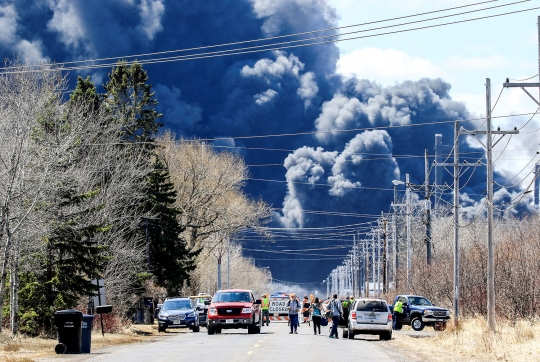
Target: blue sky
(463,54)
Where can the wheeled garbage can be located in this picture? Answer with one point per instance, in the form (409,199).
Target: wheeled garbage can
(69,324)
(86,342)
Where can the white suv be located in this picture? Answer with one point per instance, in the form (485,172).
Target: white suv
(369,316)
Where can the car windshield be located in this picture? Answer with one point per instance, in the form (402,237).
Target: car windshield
(176,304)
(371,306)
(232,297)
(419,301)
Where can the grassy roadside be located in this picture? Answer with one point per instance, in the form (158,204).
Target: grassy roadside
(518,341)
(26,349)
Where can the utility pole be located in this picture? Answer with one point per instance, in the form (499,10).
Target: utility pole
(395,241)
(457,167)
(365,278)
(228,263)
(409,260)
(489,199)
(428,210)
(379,261)
(353,266)
(384,278)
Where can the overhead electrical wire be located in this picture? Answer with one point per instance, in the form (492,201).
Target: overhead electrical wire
(255,50)
(269,38)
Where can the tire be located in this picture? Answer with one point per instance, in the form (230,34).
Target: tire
(350,333)
(417,324)
(385,336)
(160,329)
(251,329)
(439,326)
(211,330)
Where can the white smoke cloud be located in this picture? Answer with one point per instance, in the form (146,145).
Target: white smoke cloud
(308,88)
(151,12)
(266,68)
(68,23)
(328,180)
(265,97)
(29,50)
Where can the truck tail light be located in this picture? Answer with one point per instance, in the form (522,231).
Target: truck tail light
(389,316)
(353,315)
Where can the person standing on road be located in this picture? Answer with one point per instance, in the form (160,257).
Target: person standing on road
(294,308)
(305,309)
(265,310)
(316,315)
(398,309)
(336,310)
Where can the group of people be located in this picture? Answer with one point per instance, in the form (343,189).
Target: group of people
(314,310)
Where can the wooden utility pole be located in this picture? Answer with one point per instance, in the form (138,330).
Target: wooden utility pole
(384,278)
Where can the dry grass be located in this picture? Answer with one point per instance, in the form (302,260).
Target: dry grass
(517,341)
(26,349)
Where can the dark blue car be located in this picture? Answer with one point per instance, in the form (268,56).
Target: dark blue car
(178,313)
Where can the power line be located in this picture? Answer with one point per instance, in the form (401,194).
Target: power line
(270,38)
(236,52)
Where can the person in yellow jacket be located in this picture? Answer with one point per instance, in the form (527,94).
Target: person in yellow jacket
(265,309)
(398,309)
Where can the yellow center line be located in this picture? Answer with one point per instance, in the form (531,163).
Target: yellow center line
(256,346)
(250,352)
(261,340)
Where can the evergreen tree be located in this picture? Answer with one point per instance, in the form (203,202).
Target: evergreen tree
(130,99)
(170,260)
(86,91)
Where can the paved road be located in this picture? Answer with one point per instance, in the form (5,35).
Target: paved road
(274,343)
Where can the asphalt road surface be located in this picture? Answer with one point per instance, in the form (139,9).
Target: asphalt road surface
(274,343)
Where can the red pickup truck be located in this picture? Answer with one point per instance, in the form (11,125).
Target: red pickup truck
(233,309)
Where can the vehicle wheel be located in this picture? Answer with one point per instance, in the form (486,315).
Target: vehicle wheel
(385,336)
(351,333)
(211,330)
(417,324)
(251,329)
(257,328)
(345,333)
(161,329)
(439,326)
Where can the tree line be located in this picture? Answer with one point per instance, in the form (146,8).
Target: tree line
(92,188)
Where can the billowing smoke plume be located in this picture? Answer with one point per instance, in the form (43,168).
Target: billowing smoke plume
(278,92)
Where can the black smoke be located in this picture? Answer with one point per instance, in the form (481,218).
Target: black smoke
(278,92)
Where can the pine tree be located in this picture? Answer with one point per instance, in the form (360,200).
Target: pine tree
(130,100)
(171,261)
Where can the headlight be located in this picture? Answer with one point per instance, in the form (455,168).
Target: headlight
(163,315)
(212,311)
(191,315)
(246,310)
(428,312)
(448,313)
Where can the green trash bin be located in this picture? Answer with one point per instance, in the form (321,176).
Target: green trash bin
(69,324)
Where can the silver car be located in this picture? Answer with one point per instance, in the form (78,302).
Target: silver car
(369,316)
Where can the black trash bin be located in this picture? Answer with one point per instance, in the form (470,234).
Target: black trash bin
(69,324)
(86,341)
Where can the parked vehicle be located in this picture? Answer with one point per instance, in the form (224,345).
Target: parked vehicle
(178,313)
(369,316)
(419,312)
(233,309)
(201,307)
